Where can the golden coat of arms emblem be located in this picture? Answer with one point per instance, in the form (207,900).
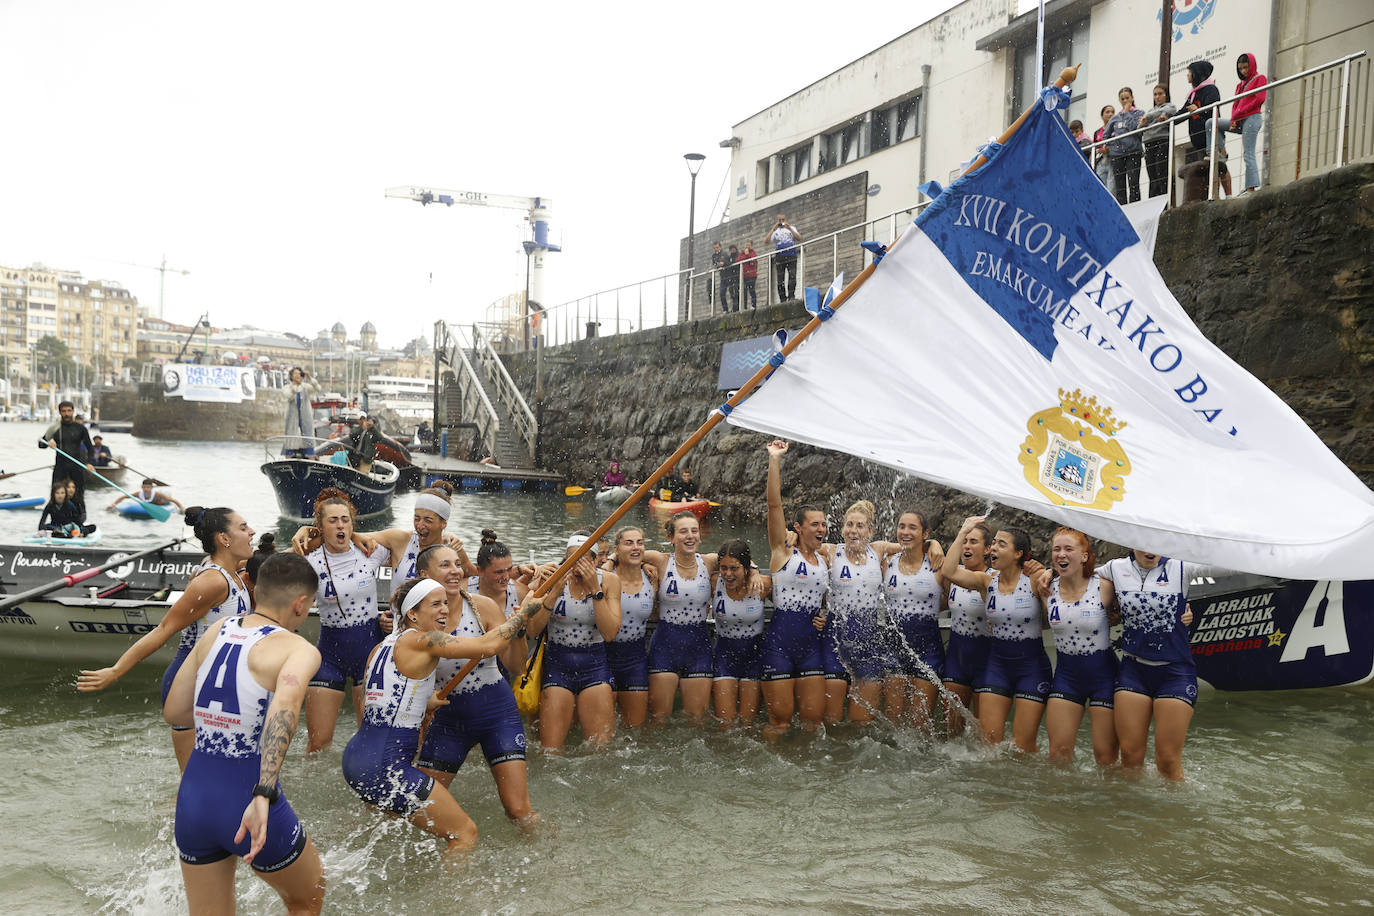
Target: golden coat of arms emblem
(1072,456)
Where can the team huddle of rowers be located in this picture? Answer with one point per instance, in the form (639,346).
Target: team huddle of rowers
(854,624)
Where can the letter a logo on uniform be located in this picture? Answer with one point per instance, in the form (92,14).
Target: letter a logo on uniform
(221,682)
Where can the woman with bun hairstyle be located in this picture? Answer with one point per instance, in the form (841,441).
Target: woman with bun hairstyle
(400,684)
(585,615)
(627,655)
(481,710)
(498,577)
(214,593)
(739,635)
(680,650)
(248,570)
(347,603)
(913,589)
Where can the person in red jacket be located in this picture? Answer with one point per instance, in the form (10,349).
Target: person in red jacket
(749,272)
(1245,115)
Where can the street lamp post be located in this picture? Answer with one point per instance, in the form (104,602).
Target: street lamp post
(694,161)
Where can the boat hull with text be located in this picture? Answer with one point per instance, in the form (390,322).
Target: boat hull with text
(297,481)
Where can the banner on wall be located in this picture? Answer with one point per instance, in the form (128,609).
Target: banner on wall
(223,384)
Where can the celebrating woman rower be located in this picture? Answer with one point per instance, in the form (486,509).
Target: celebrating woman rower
(792,667)
(1157,679)
(1017,667)
(347,602)
(585,615)
(400,685)
(481,709)
(913,590)
(627,655)
(966,656)
(738,663)
(855,635)
(680,650)
(1077,602)
(214,593)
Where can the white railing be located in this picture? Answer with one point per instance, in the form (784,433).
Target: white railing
(505,390)
(475,407)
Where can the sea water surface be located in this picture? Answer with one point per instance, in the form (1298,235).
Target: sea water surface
(1275,816)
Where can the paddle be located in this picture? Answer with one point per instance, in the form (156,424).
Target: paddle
(575,491)
(157,481)
(161,513)
(71,579)
(41,467)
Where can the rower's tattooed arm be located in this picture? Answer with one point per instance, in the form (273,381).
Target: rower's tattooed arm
(276,738)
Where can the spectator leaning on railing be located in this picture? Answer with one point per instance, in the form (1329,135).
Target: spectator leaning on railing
(1125,151)
(749,273)
(1157,140)
(1103,163)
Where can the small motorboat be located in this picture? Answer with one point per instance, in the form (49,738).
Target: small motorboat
(113,474)
(297,481)
(614,494)
(698,507)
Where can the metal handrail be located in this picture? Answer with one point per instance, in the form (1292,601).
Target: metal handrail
(506,390)
(477,386)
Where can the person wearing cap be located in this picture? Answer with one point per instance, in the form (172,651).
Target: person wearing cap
(577,678)
(364,444)
(100,453)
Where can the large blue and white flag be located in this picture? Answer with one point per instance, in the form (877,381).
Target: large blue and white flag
(1018,343)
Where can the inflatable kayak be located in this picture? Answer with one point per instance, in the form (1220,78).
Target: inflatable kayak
(53,541)
(616,494)
(698,507)
(15,501)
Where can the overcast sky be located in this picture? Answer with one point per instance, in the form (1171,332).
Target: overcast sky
(251,142)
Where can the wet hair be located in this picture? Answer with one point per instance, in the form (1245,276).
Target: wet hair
(864,508)
(424,557)
(920,517)
(149,482)
(490,550)
(615,538)
(440,488)
(986,531)
(488,536)
(799,514)
(283,578)
(267,545)
(671,525)
(1020,542)
(735,549)
(398,597)
(1091,563)
(206,523)
(1167,97)
(332,496)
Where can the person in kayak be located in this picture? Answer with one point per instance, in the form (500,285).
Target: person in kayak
(614,476)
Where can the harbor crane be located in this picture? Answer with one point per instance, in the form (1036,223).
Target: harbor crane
(540,210)
(162,279)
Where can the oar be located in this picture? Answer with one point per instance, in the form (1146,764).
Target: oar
(161,513)
(157,481)
(575,491)
(71,579)
(41,467)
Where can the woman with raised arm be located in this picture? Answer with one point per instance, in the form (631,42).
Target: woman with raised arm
(856,624)
(1157,679)
(216,592)
(966,656)
(1078,603)
(400,686)
(680,650)
(585,616)
(793,672)
(627,655)
(481,709)
(1018,668)
(347,603)
(912,588)
(739,635)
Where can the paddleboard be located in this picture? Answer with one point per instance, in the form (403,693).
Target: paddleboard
(52,541)
(21,502)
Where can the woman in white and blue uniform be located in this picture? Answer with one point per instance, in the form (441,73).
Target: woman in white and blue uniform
(377,763)
(241,688)
(584,616)
(966,655)
(738,662)
(793,668)
(1157,678)
(855,639)
(214,593)
(346,599)
(680,649)
(912,589)
(481,710)
(627,654)
(1078,605)
(1018,668)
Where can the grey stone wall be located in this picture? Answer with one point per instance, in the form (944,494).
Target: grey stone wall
(1281,280)
(815,213)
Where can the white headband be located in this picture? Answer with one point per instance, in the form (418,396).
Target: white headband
(417,594)
(434,504)
(577,540)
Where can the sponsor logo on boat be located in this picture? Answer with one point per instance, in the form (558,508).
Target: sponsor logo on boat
(17,616)
(53,561)
(1071,454)
(110,629)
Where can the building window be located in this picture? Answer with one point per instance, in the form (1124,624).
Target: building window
(896,123)
(841,147)
(1062,49)
(794,166)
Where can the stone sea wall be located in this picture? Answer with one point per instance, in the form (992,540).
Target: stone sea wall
(1282,280)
